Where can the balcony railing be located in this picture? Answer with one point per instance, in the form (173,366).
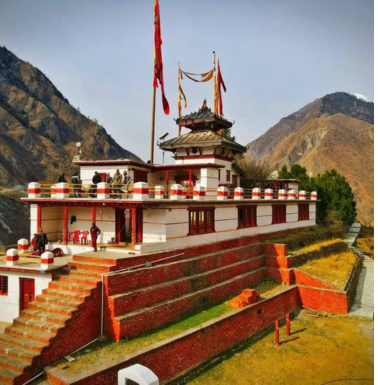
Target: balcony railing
(143,191)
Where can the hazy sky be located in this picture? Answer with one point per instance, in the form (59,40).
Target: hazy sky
(276,56)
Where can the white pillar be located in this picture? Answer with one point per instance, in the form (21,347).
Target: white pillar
(103,191)
(23,246)
(239,193)
(256,193)
(314,196)
(282,194)
(199,193)
(291,194)
(53,191)
(140,190)
(47,260)
(12,257)
(268,193)
(302,195)
(184,192)
(34,190)
(159,192)
(62,191)
(222,193)
(176,192)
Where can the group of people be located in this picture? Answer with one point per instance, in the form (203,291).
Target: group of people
(117,181)
(39,241)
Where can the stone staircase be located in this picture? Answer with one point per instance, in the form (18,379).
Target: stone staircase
(63,318)
(148,298)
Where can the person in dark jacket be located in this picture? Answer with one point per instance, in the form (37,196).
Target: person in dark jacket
(96,178)
(75,180)
(41,242)
(95,232)
(62,178)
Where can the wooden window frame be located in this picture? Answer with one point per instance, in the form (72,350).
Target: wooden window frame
(141,175)
(3,285)
(303,211)
(278,214)
(203,220)
(228,175)
(247,216)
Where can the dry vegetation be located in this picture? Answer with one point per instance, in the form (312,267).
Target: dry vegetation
(365,240)
(334,269)
(318,350)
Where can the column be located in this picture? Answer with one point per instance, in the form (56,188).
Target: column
(133,226)
(39,218)
(65,225)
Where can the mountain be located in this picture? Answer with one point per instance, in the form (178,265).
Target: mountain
(38,132)
(333,132)
(39,127)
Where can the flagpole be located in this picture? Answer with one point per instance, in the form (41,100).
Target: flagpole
(179,97)
(215,84)
(153,125)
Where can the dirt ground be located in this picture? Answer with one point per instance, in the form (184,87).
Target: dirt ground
(317,351)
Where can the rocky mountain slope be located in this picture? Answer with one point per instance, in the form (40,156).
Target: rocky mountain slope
(38,132)
(39,127)
(336,131)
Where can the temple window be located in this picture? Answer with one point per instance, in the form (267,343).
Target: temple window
(247,216)
(279,214)
(201,220)
(303,212)
(3,285)
(228,175)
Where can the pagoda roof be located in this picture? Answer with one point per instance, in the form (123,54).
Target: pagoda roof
(202,138)
(204,116)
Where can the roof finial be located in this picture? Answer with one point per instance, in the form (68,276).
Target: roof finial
(204,104)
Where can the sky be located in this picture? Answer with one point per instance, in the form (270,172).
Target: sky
(276,56)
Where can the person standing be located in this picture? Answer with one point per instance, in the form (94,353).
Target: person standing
(34,242)
(109,178)
(62,178)
(75,180)
(41,242)
(95,232)
(116,184)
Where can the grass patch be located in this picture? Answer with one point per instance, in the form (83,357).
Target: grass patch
(107,351)
(309,356)
(334,269)
(302,238)
(365,240)
(315,246)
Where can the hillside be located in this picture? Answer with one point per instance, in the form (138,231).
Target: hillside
(39,127)
(38,132)
(336,131)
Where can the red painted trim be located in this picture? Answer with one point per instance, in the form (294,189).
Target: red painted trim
(159,192)
(39,218)
(176,192)
(62,190)
(93,214)
(103,191)
(12,258)
(47,261)
(197,193)
(140,191)
(22,247)
(256,194)
(34,190)
(133,226)
(221,193)
(113,162)
(212,156)
(239,194)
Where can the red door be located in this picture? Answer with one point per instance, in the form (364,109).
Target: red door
(26,292)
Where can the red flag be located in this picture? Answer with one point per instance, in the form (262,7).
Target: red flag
(158,72)
(219,83)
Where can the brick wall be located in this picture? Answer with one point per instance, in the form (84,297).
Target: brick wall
(274,250)
(304,279)
(172,357)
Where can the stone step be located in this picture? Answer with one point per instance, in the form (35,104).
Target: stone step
(45,316)
(28,333)
(79,279)
(142,320)
(85,273)
(44,327)
(57,309)
(148,296)
(95,267)
(95,259)
(58,296)
(7,377)
(13,364)
(20,354)
(22,343)
(71,287)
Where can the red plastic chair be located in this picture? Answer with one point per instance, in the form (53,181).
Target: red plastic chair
(84,237)
(74,237)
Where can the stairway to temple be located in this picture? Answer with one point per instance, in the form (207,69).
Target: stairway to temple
(148,298)
(62,319)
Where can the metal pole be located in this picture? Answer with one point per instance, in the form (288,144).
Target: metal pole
(153,126)
(287,324)
(277,327)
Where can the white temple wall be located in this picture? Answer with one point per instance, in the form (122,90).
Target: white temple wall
(33,220)
(264,215)
(52,222)
(10,304)
(291,213)
(154,225)
(105,221)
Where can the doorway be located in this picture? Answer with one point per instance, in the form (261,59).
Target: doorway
(27,292)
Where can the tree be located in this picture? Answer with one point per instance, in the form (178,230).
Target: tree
(255,173)
(226,133)
(334,192)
